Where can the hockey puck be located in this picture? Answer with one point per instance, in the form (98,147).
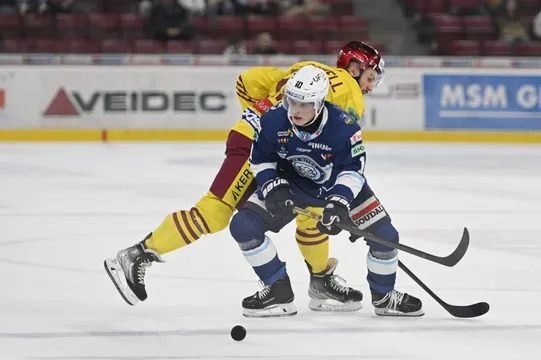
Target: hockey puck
(238,333)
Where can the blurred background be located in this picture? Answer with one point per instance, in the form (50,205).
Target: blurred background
(395,27)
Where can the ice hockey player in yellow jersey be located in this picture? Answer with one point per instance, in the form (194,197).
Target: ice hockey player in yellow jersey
(359,70)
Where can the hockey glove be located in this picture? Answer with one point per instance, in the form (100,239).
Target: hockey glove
(279,200)
(336,211)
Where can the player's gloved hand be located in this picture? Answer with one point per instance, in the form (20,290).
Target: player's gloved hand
(279,200)
(336,211)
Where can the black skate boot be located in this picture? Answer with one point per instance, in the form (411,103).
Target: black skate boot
(127,271)
(272,301)
(395,303)
(328,292)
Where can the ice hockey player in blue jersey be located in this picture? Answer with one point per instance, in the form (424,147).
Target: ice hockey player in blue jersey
(309,153)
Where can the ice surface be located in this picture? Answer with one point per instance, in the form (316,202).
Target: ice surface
(66,207)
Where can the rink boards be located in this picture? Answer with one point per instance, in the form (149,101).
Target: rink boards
(194,102)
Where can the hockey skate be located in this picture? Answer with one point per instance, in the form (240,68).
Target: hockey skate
(395,303)
(275,300)
(127,271)
(328,292)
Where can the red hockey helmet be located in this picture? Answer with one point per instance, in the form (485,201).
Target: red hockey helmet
(362,53)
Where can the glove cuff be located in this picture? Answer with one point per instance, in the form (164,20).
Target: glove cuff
(339,200)
(272,185)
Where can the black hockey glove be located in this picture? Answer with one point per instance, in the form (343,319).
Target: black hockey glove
(278,198)
(336,211)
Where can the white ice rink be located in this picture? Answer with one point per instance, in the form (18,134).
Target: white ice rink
(65,207)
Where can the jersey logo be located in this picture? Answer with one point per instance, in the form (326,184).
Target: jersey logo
(252,118)
(309,168)
(319,146)
(357,150)
(353,114)
(263,105)
(358,136)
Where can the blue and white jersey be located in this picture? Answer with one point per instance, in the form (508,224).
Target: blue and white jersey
(330,163)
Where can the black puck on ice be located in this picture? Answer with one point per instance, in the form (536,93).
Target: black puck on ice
(238,333)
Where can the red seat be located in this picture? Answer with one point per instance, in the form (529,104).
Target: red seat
(14,46)
(202,25)
(71,26)
(180,47)
(10,25)
(48,46)
(324,28)
(38,26)
(354,27)
(478,28)
(428,7)
(144,46)
(528,48)
(305,47)
(446,30)
(102,26)
(212,46)
(497,48)
(259,24)
(292,28)
(115,46)
(131,26)
(228,27)
(333,47)
(84,46)
(465,48)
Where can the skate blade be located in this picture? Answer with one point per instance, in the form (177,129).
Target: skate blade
(394,313)
(113,270)
(330,305)
(280,310)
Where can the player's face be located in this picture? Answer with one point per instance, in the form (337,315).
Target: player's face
(368,80)
(301,113)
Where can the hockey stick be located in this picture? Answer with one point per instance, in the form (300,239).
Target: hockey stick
(450,260)
(459,311)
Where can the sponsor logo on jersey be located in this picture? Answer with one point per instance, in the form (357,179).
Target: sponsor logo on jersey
(303,150)
(263,105)
(357,150)
(358,136)
(368,213)
(241,183)
(319,146)
(252,118)
(353,118)
(287,133)
(309,168)
(326,156)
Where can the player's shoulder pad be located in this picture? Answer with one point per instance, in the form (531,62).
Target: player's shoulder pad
(340,115)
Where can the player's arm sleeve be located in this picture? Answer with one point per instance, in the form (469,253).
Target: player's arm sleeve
(350,164)
(263,158)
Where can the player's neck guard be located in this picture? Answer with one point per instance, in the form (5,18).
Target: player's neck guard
(306,136)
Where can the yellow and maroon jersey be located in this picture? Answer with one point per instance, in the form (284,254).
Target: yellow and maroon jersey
(261,88)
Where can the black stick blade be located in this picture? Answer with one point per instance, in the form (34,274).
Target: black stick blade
(470,311)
